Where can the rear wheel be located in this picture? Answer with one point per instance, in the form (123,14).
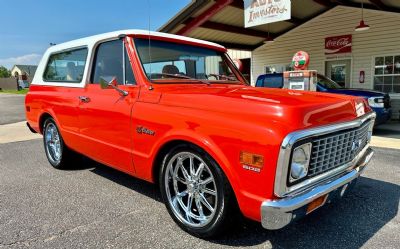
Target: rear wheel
(57,153)
(196,192)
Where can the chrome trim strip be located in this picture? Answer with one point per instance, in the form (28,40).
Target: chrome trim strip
(280,187)
(276,214)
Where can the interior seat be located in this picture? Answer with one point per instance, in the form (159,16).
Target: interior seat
(170,69)
(71,72)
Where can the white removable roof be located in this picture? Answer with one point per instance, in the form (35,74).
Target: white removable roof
(89,42)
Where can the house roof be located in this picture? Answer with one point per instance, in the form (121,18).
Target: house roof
(28,69)
(222,21)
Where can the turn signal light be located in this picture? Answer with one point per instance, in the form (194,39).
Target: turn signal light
(319,202)
(247,158)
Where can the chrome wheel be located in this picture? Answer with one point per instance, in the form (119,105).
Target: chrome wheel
(52,143)
(191,189)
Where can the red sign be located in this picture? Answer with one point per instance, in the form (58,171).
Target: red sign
(338,44)
(300,60)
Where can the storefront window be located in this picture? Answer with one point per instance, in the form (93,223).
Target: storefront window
(387,74)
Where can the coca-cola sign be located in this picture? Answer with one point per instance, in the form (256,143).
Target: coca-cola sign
(338,44)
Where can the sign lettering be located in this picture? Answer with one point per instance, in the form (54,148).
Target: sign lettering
(259,12)
(338,44)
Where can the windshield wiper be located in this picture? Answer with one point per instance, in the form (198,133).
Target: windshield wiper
(179,76)
(220,76)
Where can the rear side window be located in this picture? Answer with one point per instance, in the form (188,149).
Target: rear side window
(67,66)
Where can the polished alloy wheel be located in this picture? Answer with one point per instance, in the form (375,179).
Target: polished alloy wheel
(53,143)
(191,189)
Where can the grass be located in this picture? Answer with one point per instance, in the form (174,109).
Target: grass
(23,91)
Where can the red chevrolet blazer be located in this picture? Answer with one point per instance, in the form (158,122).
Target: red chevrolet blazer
(176,111)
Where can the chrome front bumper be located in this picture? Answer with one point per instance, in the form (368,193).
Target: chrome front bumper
(278,213)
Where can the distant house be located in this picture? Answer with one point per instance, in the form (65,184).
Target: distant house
(27,70)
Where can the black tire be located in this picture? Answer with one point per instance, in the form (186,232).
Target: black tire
(65,156)
(226,207)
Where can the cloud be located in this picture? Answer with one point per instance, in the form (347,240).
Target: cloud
(28,59)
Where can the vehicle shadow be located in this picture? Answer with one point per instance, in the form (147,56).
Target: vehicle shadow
(135,184)
(348,223)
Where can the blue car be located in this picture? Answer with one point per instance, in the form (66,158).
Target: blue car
(379,101)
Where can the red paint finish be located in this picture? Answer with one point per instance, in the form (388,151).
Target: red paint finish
(222,119)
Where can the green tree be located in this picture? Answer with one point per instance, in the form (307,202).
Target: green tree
(4,72)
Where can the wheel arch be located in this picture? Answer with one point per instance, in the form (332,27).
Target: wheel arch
(203,144)
(43,117)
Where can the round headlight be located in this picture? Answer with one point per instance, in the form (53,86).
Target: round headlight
(300,161)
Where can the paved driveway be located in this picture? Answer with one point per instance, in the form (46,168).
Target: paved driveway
(93,206)
(12,108)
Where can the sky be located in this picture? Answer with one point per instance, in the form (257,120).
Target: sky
(29,26)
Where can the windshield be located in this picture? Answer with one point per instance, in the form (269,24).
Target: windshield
(327,83)
(181,62)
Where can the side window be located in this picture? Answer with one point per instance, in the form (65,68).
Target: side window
(129,77)
(109,61)
(67,66)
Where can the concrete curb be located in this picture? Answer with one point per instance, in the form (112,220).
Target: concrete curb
(16,132)
(385,142)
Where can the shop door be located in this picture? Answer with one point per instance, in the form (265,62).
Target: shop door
(339,71)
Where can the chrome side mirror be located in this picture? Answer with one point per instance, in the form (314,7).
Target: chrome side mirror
(111,84)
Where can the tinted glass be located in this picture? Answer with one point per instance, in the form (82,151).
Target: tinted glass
(274,81)
(66,67)
(129,77)
(166,60)
(109,63)
(327,83)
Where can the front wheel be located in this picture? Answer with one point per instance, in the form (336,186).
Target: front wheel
(196,192)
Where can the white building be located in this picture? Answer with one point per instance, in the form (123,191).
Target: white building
(376,51)
(27,70)
(374,55)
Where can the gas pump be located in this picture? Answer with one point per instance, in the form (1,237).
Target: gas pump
(300,78)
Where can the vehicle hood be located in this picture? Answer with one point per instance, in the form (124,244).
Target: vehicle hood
(358,92)
(294,109)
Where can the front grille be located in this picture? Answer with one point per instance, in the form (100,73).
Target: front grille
(334,150)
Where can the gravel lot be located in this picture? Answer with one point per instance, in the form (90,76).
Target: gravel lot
(93,206)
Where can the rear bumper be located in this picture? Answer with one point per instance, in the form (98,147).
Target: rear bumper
(276,214)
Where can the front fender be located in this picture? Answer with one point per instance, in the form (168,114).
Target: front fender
(222,136)
(204,142)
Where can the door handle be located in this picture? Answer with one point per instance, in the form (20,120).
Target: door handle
(84,99)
